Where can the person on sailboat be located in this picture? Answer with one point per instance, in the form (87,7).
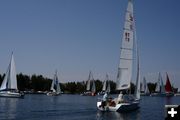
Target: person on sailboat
(105,96)
(120,97)
(105,99)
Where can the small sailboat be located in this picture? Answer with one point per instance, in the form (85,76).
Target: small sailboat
(106,86)
(168,87)
(125,102)
(9,85)
(160,89)
(55,87)
(90,91)
(145,89)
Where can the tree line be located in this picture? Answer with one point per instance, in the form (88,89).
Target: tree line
(37,83)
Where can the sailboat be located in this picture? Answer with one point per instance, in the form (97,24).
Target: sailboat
(108,90)
(106,86)
(145,89)
(125,102)
(55,87)
(160,90)
(9,84)
(90,91)
(168,87)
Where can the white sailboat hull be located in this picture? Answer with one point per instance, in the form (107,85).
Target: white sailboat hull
(121,107)
(88,93)
(12,94)
(53,94)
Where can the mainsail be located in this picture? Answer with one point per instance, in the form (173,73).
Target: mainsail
(158,83)
(108,87)
(168,86)
(126,54)
(58,89)
(10,80)
(145,87)
(52,86)
(105,83)
(89,81)
(93,89)
(160,86)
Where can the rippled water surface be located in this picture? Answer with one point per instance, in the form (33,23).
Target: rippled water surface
(76,107)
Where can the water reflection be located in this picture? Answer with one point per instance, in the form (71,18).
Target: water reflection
(168,100)
(8,108)
(134,115)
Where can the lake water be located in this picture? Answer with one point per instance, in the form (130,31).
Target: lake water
(76,107)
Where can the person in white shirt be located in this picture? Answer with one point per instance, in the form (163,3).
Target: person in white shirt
(120,97)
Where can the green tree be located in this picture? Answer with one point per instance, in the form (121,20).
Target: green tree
(23,82)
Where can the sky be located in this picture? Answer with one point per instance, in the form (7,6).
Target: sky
(76,36)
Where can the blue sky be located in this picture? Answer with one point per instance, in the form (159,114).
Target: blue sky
(76,36)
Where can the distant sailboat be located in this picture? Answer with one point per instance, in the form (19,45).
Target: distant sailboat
(9,85)
(145,89)
(106,86)
(168,87)
(125,102)
(160,89)
(90,91)
(55,87)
